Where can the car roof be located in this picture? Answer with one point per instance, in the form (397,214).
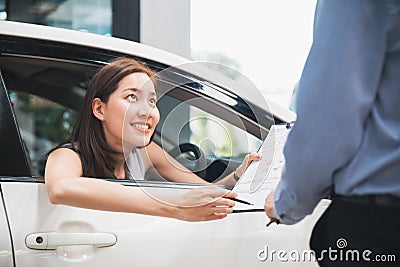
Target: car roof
(248,93)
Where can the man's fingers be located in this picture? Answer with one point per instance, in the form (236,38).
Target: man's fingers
(269,205)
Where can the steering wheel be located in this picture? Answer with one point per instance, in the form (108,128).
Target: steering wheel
(191,156)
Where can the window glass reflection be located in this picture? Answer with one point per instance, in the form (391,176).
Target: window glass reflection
(90,15)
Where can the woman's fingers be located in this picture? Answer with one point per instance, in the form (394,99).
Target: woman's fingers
(207,195)
(207,203)
(246,162)
(223,210)
(250,157)
(230,194)
(254,156)
(205,213)
(217,192)
(215,216)
(224,202)
(214,213)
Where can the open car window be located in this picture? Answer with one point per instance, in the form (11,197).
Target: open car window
(47,93)
(43,124)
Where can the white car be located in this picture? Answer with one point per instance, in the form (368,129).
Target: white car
(209,122)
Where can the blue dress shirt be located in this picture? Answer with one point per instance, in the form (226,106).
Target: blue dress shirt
(347,135)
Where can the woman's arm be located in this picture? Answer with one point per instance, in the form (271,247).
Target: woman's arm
(169,168)
(234,176)
(172,170)
(66,186)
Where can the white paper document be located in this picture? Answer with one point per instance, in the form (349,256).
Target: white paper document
(261,177)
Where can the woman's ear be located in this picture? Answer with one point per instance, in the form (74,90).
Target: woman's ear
(98,108)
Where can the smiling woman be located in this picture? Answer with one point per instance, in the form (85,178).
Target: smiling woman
(97,136)
(113,139)
(142,114)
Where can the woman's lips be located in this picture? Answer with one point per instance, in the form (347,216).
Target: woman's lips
(144,127)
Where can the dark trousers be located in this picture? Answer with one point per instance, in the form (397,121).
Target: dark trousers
(358,231)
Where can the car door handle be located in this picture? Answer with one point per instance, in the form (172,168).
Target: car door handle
(52,240)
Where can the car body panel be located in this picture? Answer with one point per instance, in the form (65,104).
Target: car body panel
(6,252)
(122,46)
(147,240)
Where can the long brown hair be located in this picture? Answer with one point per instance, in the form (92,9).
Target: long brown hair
(88,138)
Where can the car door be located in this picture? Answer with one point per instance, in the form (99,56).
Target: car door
(57,235)
(12,162)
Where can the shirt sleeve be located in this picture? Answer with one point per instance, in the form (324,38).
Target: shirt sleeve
(335,95)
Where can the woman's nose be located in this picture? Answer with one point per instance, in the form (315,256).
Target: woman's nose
(145,110)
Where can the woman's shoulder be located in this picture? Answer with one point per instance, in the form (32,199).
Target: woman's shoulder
(67,149)
(72,146)
(64,157)
(64,150)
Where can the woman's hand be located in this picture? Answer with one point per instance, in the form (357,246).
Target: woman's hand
(246,162)
(205,204)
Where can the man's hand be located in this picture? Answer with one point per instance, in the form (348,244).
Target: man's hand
(269,206)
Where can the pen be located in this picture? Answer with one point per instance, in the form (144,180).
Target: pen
(239,200)
(273,220)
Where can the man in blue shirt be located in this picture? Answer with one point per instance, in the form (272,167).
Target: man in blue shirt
(346,140)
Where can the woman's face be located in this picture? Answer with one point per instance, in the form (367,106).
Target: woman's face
(131,114)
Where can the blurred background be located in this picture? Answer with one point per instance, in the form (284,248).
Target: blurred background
(266,40)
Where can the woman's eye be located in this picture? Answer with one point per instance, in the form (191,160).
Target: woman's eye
(132,97)
(153,101)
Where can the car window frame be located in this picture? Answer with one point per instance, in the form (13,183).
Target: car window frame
(19,159)
(48,50)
